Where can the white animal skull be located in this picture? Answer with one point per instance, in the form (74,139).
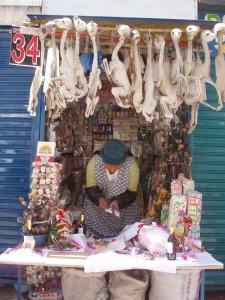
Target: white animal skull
(79,24)
(192,31)
(49,26)
(124,30)
(207,36)
(219,27)
(64,23)
(92,28)
(135,35)
(176,34)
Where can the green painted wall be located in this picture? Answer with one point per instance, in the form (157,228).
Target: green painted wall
(208,170)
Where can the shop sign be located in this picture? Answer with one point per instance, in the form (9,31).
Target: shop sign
(25,46)
(45,151)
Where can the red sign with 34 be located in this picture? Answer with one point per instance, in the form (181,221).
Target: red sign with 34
(25,46)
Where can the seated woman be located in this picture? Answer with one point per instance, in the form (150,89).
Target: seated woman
(111,182)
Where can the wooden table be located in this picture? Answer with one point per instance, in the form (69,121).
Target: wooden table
(78,260)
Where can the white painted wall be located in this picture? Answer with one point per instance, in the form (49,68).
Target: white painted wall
(16,15)
(163,9)
(21,2)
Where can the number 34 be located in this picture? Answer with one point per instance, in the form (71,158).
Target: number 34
(22,50)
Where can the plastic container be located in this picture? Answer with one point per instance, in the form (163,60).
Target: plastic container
(40,239)
(79,239)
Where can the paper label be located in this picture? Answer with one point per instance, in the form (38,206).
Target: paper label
(81,230)
(45,150)
(169,247)
(28,242)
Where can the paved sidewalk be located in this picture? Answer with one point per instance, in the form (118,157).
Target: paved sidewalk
(9,293)
(215,295)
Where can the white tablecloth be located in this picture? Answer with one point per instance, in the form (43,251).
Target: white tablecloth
(109,261)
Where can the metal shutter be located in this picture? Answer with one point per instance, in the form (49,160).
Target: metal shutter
(208,150)
(18,135)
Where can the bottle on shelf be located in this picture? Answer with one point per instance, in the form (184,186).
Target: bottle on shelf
(28,225)
(81,229)
(171,245)
(75,226)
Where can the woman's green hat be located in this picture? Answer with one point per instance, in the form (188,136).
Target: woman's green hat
(113,152)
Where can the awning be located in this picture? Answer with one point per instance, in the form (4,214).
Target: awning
(138,23)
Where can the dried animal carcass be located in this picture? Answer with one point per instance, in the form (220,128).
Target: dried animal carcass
(80,81)
(94,78)
(37,81)
(52,62)
(58,84)
(219,30)
(194,91)
(116,72)
(137,75)
(176,74)
(66,69)
(168,96)
(201,75)
(149,105)
(202,71)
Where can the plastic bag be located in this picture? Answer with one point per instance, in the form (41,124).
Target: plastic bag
(154,238)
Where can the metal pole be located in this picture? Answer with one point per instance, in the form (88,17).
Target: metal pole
(19,295)
(202,287)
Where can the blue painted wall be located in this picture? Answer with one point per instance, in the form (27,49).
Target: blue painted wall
(18,136)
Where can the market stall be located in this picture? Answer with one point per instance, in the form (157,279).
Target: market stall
(129,82)
(205,262)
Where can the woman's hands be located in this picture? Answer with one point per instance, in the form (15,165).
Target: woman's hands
(114,205)
(102,203)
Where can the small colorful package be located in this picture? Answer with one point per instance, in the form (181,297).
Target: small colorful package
(194,211)
(178,204)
